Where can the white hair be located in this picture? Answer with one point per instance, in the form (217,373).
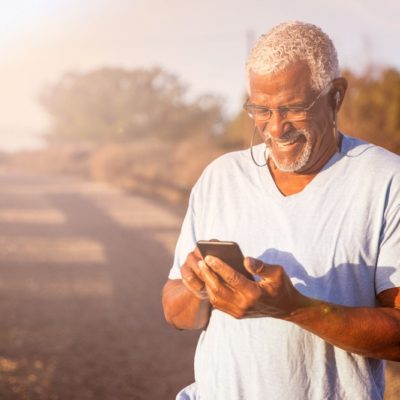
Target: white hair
(289,42)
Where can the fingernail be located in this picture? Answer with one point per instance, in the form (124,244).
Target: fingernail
(251,262)
(209,260)
(201,264)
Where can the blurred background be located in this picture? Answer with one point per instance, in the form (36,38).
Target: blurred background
(109,113)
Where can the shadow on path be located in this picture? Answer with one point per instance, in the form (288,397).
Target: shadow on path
(89,330)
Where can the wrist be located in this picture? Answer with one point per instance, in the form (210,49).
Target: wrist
(309,309)
(300,305)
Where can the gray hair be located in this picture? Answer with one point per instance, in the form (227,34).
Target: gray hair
(289,42)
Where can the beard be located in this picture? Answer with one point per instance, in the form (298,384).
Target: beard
(290,164)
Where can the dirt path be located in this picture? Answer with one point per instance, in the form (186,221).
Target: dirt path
(81,270)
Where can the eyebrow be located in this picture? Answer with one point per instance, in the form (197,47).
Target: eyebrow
(287,105)
(262,98)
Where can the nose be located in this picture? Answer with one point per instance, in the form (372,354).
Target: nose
(275,127)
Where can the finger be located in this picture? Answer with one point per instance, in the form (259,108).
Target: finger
(232,277)
(196,270)
(232,300)
(197,253)
(191,280)
(255,266)
(219,295)
(200,294)
(192,261)
(207,275)
(193,283)
(273,277)
(214,285)
(226,306)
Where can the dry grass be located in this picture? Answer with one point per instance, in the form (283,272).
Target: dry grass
(167,170)
(67,160)
(148,166)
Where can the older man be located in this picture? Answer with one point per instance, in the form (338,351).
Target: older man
(320,219)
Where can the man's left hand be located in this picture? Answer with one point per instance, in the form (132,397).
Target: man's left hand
(228,290)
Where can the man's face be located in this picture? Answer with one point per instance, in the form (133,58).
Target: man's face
(302,146)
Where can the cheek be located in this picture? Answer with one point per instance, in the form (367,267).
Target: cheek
(260,127)
(318,124)
(322,120)
(319,135)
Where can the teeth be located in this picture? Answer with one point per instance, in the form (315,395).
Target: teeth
(284,144)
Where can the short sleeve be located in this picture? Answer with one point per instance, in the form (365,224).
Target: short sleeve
(186,241)
(388,263)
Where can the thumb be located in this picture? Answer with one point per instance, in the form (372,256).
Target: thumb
(255,266)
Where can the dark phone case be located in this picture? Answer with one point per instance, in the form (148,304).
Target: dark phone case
(228,252)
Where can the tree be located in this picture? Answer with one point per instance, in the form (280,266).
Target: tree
(114,105)
(371,109)
(239,131)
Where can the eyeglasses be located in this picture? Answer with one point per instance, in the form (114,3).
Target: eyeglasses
(264,114)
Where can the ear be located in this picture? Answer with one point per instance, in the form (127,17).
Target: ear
(339,87)
(337,99)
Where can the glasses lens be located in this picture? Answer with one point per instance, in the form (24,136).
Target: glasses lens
(296,114)
(258,113)
(264,114)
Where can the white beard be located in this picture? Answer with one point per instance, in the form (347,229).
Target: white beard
(302,159)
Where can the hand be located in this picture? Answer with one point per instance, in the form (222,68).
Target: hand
(191,276)
(272,296)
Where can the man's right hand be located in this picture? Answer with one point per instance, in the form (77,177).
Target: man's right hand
(191,275)
(185,301)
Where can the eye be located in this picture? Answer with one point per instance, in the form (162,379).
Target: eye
(296,113)
(283,111)
(262,110)
(262,113)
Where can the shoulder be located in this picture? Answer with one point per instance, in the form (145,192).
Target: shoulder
(229,165)
(227,174)
(231,159)
(373,171)
(371,160)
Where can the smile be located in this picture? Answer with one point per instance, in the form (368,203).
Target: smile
(286,143)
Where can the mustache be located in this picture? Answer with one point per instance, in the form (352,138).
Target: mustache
(286,137)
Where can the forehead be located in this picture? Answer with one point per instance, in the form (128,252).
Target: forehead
(291,84)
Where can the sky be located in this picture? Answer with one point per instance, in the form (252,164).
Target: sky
(204,43)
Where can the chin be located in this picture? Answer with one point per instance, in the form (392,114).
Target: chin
(290,165)
(293,157)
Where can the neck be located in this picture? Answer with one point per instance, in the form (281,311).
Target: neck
(290,183)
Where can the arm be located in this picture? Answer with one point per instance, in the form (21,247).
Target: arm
(371,332)
(185,301)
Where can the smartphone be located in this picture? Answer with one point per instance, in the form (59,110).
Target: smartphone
(228,252)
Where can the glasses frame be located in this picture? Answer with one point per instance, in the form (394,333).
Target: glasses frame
(284,110)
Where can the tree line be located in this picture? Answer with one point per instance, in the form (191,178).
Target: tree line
(115,105)
(119,105)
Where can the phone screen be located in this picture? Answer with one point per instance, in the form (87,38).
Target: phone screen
(228,252)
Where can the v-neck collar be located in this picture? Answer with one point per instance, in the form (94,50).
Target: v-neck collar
(269,185)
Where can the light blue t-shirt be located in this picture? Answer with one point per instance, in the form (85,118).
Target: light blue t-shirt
(338,240)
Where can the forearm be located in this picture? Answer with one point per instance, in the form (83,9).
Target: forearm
(182,309)
(371,332)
